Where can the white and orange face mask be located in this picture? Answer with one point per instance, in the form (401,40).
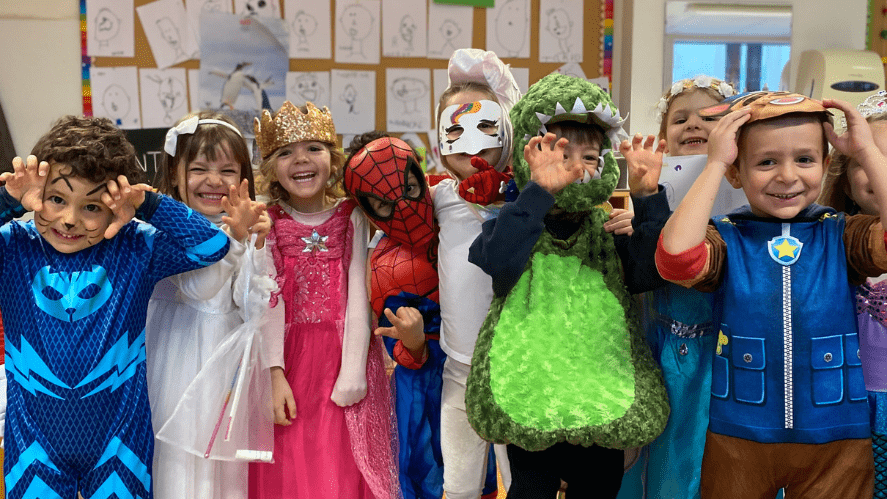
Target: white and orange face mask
(470,128)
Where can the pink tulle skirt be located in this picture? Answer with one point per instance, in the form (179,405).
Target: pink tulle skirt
(313,457)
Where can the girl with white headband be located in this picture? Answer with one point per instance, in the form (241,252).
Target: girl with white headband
(203,350)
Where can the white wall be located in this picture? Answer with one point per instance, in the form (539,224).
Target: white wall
(40,79)
(816,24)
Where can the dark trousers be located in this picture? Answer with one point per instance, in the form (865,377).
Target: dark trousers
(590,472)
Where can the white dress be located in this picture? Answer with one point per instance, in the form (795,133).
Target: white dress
(190,317)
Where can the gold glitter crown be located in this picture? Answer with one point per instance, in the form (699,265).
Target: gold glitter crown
(290,125)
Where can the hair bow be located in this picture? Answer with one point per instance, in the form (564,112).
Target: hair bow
(188,127)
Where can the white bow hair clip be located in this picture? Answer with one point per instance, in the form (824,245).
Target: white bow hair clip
(188,127)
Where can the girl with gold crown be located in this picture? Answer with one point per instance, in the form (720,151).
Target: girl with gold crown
(335,433)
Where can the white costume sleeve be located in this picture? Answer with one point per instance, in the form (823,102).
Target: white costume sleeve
(205,283)
(351,383)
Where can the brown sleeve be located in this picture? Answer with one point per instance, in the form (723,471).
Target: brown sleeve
(864,242)
(710,278)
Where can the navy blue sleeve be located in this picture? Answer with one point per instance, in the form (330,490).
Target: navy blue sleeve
(637,251)
(504,245)
(182,239)
(10,207)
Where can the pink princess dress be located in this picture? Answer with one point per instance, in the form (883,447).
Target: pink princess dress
(327,451)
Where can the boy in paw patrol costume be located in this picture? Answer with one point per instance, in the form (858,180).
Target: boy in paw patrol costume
(77,280)
(788,403)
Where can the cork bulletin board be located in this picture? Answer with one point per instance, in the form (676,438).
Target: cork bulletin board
(596,42)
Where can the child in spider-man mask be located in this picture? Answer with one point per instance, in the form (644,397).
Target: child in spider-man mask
(384,175)
(77,283)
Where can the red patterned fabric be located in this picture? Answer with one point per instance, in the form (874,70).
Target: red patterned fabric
(379,170)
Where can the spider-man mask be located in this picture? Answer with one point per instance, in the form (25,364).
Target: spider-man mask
(387,181)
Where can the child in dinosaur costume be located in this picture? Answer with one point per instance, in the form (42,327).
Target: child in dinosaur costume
(561,365)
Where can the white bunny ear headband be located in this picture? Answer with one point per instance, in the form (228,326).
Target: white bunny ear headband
(188,127)
(701,81)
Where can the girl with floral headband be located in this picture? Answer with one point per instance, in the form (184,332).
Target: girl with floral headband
(679,321)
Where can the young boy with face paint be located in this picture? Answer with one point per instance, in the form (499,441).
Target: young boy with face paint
(77,283)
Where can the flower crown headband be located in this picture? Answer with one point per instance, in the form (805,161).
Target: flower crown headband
(188,127)
(873,104)
(701,81)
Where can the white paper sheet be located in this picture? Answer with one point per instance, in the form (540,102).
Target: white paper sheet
(308,86)
(522,77)
(403,28)
(164,96)
(265,8)
(508,28)
(310,33)
(357,31)
(407,100)
(353,100)
(110,28)
(560,30)
(115,92)
(449,27)
(194,90)
(679,173)
(169,34)
(195,8)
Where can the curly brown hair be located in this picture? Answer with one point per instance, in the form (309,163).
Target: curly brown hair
(93,148)
(206,140)
(836,186)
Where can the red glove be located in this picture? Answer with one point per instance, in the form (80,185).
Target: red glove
(483,187)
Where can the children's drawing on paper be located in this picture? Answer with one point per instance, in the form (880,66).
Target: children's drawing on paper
(308,86)
(310,30)
(114,92)
(560,31)
(508,28)
(449,27)
(164,96)
(109,28)
(238,80)
(243,66)
(408,98)
(353,98)
(403,28)
(357,32)
(194,91)
(265,8)
(197,8)
(168,31)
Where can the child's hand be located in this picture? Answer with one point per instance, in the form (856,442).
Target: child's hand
(858,136)
(349,391)
(282,397)
(242,212)
(644,164)
(123,200)
(722,146)
(26,181)
(484,186)
(261,229)
(547,166)
(620,222)
(407,326)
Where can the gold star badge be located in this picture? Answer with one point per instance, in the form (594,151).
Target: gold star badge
(786,248)
(315,242)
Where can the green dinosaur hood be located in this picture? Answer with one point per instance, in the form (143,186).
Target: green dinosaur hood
(558,97)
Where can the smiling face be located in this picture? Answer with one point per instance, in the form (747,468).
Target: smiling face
(202,183)
(780,165)
(859,188)
(585,156)
(303,169)
(686,133)
(73,216)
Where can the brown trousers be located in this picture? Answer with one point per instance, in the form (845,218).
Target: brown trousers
(742,469)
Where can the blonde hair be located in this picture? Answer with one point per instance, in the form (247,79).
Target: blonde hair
(267,182)
(714,87)
(836,186)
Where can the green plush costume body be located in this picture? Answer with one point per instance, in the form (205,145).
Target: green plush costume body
(562,356)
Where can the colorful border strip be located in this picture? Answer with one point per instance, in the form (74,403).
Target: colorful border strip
(606,65)
(85,63)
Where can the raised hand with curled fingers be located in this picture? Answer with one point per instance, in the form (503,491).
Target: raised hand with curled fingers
(545,158)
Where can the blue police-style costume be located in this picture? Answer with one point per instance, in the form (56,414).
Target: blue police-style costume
(785,371)
(78,414)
